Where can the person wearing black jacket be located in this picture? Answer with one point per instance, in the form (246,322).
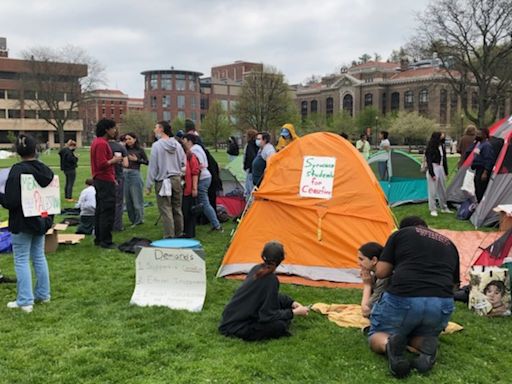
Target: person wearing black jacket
(437,164)
(233,150)
(257,311)
(68,164)
(251,150)
(27,232)
(483,162)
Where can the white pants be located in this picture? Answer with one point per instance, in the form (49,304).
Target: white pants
(437,188)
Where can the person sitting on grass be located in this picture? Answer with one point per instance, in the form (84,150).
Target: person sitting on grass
(418,302)
(87,205)
(257,311)
(368,256)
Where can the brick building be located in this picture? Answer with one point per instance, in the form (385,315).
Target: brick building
(388,87)
(135,104)
(19,110)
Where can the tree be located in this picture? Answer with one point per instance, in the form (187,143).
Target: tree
(139,122)
(216,126)
(377,56)
(411,128)
(473,40)
(342,122)
(364,58)
(62,79)
(178,124)
(367,118)
(265,102)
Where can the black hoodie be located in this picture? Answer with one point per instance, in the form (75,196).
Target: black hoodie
(12,197)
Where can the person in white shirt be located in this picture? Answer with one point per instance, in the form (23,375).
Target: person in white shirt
(363,146)
(87,204)
(384,145)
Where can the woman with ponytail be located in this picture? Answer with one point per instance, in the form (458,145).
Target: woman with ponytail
(257,311)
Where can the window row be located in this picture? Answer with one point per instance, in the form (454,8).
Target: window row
(169,82)
(33,114)
(15,94)
(180,101)
(313,107)
(167,116)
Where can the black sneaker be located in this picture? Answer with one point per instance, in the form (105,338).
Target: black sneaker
(398,364)
(108,245)
(425,361)
(7,280)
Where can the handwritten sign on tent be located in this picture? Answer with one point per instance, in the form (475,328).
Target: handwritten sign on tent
(174,278)
(317,177)
(39,201)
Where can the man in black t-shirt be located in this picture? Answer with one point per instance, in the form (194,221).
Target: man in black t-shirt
(418,303)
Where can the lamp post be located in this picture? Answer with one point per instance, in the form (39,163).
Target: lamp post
(461,125)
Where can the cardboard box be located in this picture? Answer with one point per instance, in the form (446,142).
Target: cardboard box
(51,240)
(505,221)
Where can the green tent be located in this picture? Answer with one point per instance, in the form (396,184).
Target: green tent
(236,167)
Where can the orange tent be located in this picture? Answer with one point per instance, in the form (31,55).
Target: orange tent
(320,234)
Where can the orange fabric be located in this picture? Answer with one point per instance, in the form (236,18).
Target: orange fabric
(315,232)
(306,282)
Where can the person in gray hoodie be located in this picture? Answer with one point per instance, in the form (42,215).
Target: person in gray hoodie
(166,165)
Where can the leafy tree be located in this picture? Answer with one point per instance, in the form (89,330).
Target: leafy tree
(139,122)
(60,87)
(342,122)
(313,123)
(364,58)
(411,128)
(178,124)
(265,101)
(368,117)
(473,39)
(377,57)
(216,126)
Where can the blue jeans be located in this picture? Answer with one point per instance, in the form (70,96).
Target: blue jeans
(28,247)
(202,196)
(134,195)
(410,316)
(248,184)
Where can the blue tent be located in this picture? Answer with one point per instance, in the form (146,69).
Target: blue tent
(400,177)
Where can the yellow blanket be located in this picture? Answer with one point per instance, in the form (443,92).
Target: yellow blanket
(349,315)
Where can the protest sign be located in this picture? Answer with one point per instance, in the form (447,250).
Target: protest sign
(317,177)
(174,278)
(39,201)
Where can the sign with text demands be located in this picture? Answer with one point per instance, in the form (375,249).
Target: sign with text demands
(317,177)
(174,278)
(39,201)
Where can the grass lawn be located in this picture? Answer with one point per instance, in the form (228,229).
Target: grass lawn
(90,334)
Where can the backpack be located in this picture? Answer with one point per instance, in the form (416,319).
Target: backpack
(134,244)
(466,209)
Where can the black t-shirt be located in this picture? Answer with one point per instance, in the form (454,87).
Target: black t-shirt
(426,263)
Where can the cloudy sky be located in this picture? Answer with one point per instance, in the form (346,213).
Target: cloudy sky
(299,37)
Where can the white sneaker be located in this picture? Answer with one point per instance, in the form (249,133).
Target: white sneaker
(24,308)
(433,213)
(446,210)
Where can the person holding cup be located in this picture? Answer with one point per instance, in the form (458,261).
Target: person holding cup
(102,169)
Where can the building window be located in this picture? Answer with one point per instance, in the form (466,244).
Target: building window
(348,104)
(423,102)
(193,102)
(329,107)
(314,106)
(193,116)
(14,114)
(154,116)
(153,102)
(304,110)
(192,84)
(73,115)
(112,112)
(368,99)
(2,93)
(13,94)
(29,114)
(181,101)
(384,100)
(474,101)
(443,106)
(2,114)
(453,103)
(29,95)
(166,101)
(224,104)
(408,100)
(181,115)
(153,83)
(395,101)
(45,114)
(180,82)
(167,116)
(166,81)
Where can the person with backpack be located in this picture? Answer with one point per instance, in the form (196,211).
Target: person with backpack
(233,149)
(28,233)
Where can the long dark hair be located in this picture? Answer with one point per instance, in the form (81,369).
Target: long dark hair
(434,142)
(272,255)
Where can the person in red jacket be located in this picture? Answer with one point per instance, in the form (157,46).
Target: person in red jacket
(102,169)
(190,191)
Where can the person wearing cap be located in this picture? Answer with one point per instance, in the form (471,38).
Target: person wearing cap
(257,311)
(286,136)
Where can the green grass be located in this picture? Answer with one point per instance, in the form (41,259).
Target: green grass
(90,334)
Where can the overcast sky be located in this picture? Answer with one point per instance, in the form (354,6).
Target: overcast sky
(298,37)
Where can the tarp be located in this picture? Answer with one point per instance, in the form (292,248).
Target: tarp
(236,168)
(406,183)
(321,236)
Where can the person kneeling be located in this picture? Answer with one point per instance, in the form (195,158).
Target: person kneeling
(257,311)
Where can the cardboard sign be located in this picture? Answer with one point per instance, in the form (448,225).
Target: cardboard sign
(317,177)
(174,278)
(39,201)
